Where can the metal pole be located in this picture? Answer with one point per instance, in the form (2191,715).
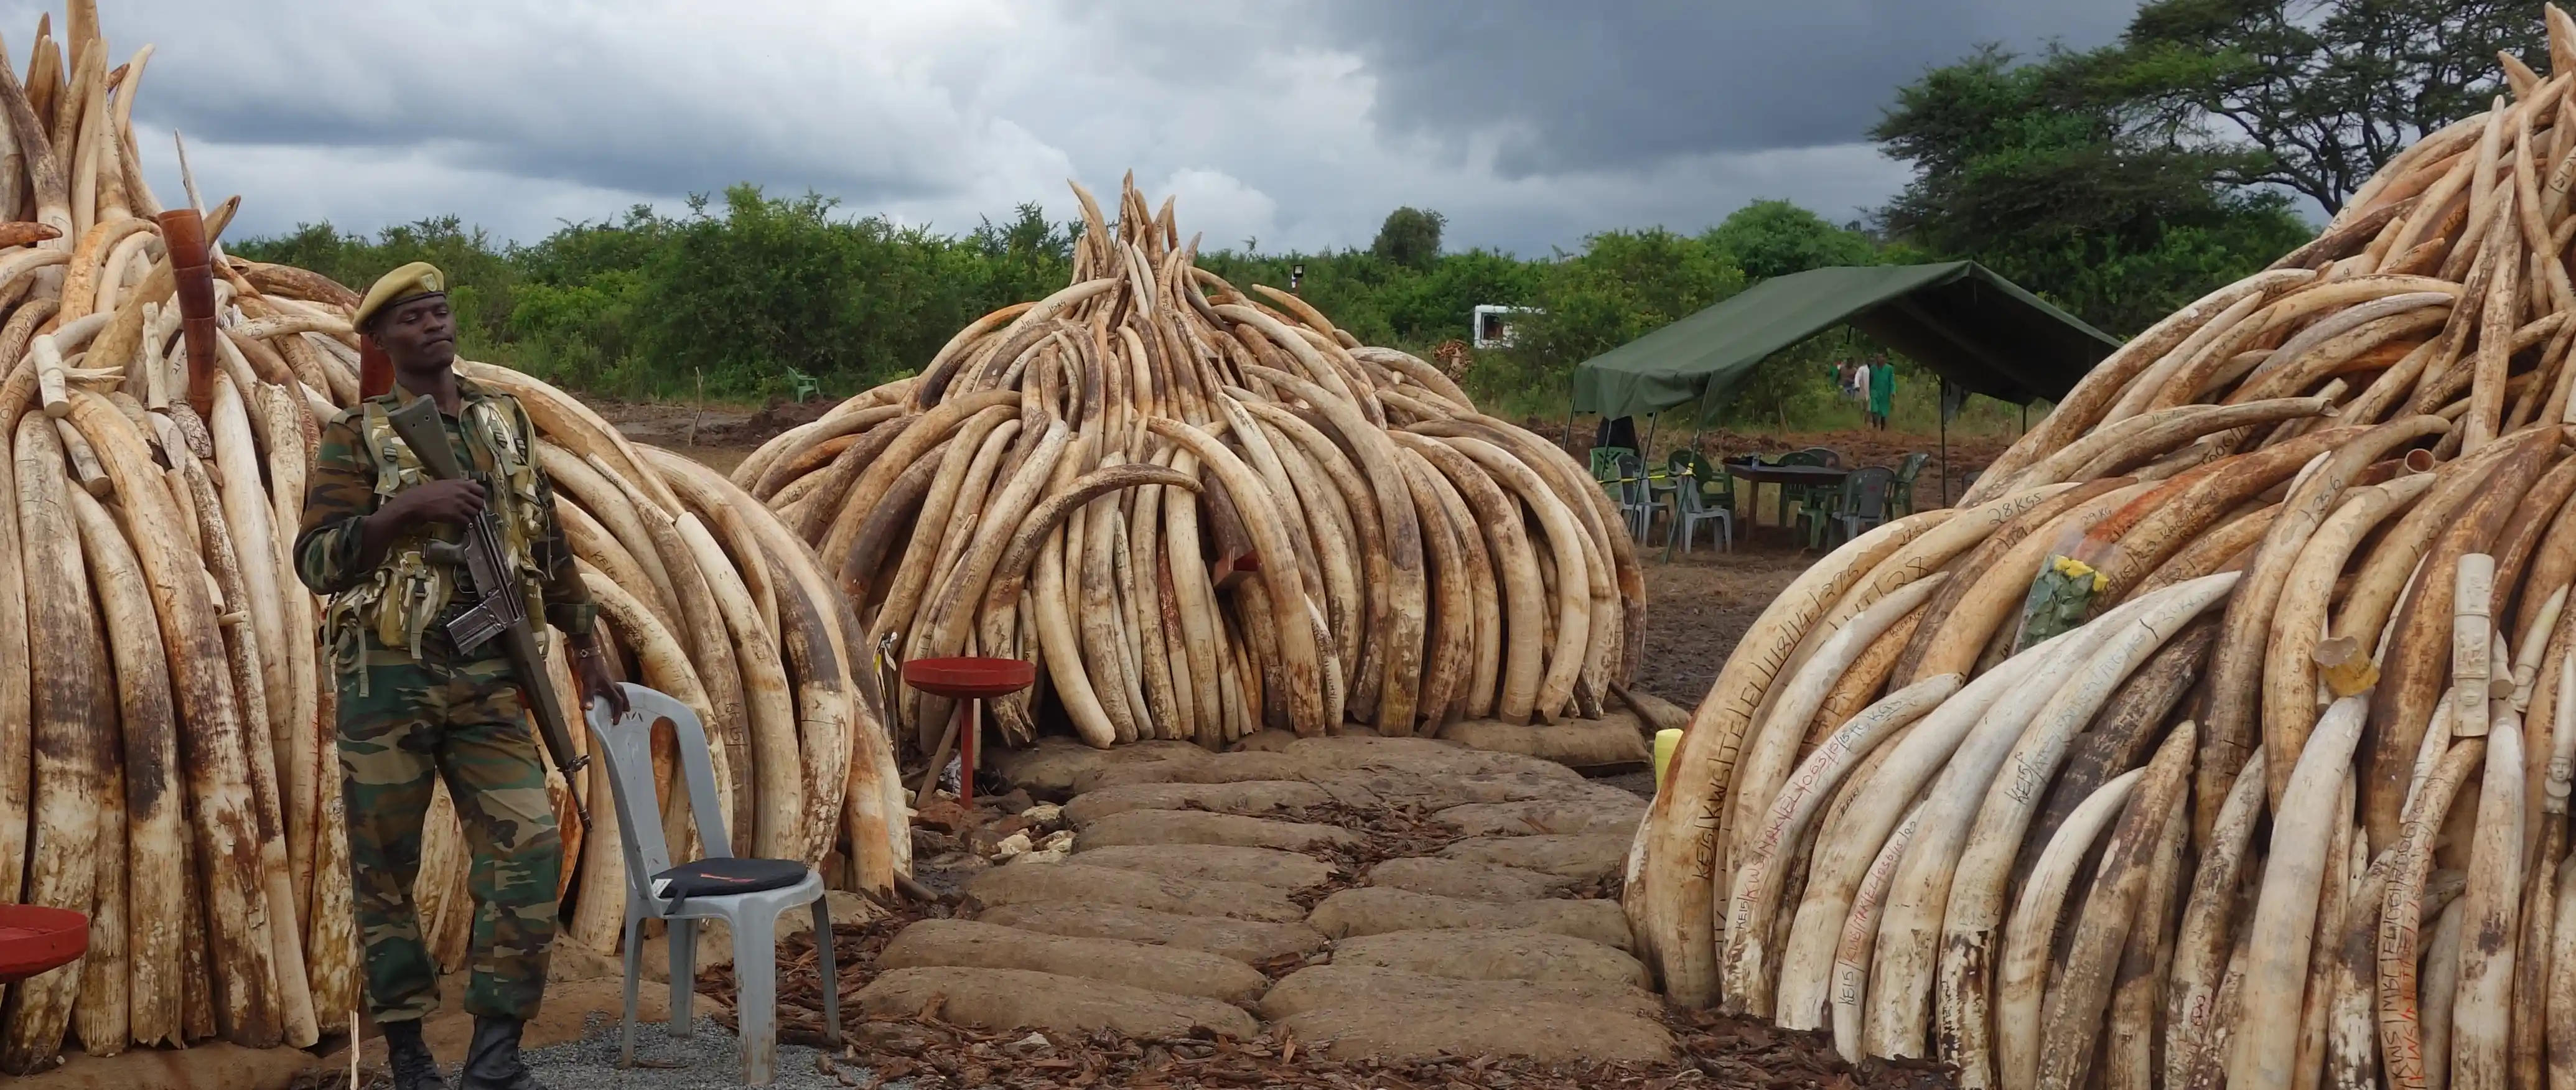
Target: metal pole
(1699,421)
(966,729)
(1567,440)
(1942,410)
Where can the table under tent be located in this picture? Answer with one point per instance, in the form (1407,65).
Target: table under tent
(1981,333)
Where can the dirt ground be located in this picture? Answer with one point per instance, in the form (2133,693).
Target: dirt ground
(718,435)
(1698,606)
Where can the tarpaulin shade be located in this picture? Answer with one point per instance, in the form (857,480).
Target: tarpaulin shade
(1979,330)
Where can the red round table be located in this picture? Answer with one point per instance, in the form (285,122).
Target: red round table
(969,682)
(34,938)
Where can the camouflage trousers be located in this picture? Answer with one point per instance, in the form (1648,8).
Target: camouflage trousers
(401,723)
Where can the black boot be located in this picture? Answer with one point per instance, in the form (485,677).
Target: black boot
(414,1068)
(492,1061)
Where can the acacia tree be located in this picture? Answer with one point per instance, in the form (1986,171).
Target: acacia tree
(2049,173)
(2324,90)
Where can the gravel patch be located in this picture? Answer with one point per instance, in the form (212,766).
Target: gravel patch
(708,1060)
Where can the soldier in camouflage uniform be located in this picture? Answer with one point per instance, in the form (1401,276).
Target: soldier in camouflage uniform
(411,707)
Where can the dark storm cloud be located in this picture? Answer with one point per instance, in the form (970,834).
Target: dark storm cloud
(533,94)
(1530,125)
(1608,85)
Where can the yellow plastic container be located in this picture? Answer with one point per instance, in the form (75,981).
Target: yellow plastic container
(1665,741)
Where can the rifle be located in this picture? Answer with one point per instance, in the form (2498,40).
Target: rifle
(501,606)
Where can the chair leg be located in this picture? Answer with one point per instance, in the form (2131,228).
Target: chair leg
(683,942)
(831,981)
(634,980)
(755,974)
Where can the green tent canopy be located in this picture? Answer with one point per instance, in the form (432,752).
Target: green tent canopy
(1982,332)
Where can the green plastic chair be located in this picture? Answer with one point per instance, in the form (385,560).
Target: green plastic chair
(1901,488)
(1813,500)
(1716,485)
(1863,505)
(1605,468)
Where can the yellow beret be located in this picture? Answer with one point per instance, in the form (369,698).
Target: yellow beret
(399,286)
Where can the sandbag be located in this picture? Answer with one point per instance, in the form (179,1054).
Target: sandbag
(1216,862)
(1508,954)
(1246,941)
(1194,827)
(1020,999)
(975,945)
(1465,880)
(1376,910)
(1616,742)
(1072,881)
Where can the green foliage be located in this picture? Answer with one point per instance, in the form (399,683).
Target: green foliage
(1382,302)
(1410,237)
(1776,238)
(763,296)
(2044,173)
(1624,285)
(2320,92)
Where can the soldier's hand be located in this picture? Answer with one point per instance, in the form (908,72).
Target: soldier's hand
(440,501)
(590,671)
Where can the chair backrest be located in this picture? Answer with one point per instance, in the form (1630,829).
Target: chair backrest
(1910,466)
(1605,462)
(1831,456)
(1712,474)
(1812,456)
(1687,499)
(1865,491)
(1632,477)
(626,749)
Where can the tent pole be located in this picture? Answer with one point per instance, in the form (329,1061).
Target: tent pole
(1567,439)
(1699,417)
(1645,449)
(1942,409)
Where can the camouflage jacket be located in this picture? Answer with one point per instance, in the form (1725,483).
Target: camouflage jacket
(361,464)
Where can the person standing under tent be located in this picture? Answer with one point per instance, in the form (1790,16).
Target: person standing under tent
(1882,390)
(1860,386)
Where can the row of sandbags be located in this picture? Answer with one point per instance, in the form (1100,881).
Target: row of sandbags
(2222,734)
(1204,512)
(167,762)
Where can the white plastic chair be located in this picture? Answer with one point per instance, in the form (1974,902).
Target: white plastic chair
(657,890)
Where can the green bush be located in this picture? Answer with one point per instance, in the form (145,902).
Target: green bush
(759,296)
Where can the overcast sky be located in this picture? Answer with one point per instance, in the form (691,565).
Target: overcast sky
(1529,124)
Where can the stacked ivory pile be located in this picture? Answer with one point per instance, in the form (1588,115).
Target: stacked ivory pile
(166,754)
(2292,805)
(1058,481)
